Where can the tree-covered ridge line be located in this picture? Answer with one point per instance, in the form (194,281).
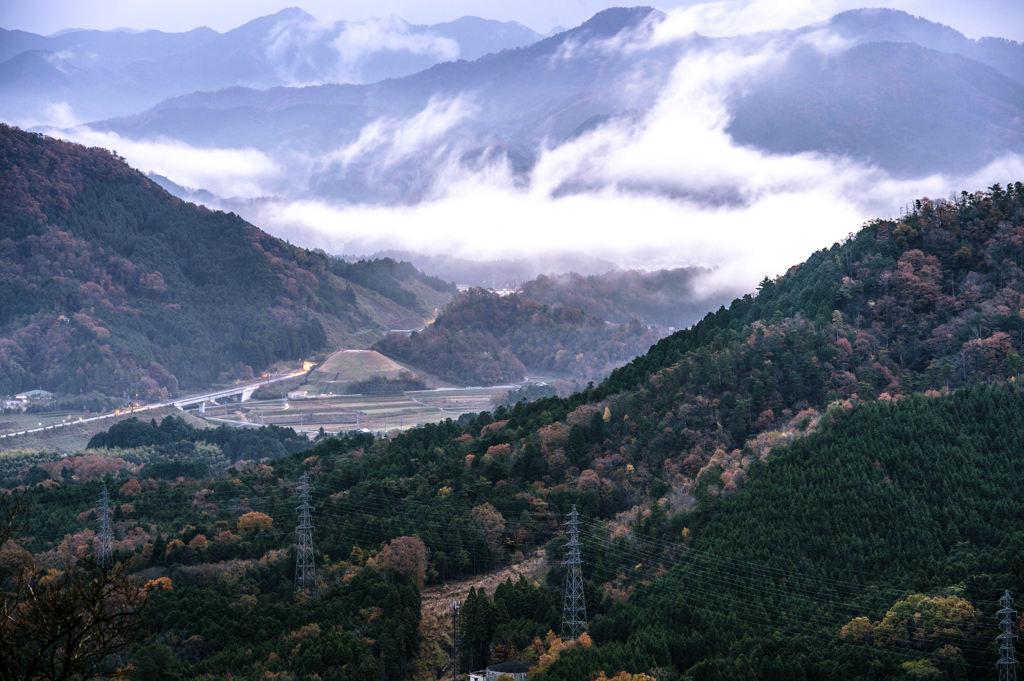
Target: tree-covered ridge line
(108,282)
(483,338)
(890,500)
(384,275)
(935,295)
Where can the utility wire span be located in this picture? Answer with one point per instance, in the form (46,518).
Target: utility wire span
(363,503)
(729,574)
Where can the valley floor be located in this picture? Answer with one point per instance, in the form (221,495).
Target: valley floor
(74,436)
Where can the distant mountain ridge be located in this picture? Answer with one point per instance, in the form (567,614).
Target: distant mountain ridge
(120,72)
(890,25)
(945,105)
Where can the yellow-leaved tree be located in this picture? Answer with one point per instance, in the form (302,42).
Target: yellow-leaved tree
(254,520)
(937,624)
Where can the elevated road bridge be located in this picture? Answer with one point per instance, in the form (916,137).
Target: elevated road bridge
(243,392)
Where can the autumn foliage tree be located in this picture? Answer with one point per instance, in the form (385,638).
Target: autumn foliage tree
(253,521)
(404,556)
(493,525)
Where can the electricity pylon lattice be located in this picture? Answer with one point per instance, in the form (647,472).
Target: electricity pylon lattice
(574,611)
(105,539)
(305,569)
(1007,662)
(456,610)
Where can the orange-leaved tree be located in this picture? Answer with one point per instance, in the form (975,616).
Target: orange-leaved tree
(404,556)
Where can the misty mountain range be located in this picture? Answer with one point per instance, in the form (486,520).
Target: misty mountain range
(881,87)
(110,73)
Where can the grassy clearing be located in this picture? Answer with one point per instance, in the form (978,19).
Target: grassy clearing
(348,366)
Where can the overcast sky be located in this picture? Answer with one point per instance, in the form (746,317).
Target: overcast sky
(975,18)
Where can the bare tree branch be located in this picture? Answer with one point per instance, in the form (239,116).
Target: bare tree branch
(60,624)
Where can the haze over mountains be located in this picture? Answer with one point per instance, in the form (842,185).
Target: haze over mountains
(818,481)
(100,74)
(629,118)
(859,85)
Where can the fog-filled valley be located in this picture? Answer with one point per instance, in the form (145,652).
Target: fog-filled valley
(629,114)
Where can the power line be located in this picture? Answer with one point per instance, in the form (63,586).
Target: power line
(1007,662)
(105,539)
(305,567)
(715,568)
(574,610)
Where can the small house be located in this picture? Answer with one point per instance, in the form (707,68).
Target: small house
(517,670)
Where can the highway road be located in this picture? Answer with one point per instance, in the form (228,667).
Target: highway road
(169,403)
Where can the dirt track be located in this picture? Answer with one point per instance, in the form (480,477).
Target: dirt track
(435,623)
(435,598)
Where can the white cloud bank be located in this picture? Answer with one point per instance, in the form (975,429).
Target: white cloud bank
(669,189)
(665,189)
(399,140)
(226,172)
(311,52)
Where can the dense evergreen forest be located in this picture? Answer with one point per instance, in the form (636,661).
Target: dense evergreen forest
(108,282)
(385,275)
(481,338)
(821,481)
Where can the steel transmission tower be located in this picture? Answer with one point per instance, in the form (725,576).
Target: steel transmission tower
(305,569)
(105,539)
(1007,662)
(456,610)
(574,611)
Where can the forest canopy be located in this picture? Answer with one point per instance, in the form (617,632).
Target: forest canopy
(482,338)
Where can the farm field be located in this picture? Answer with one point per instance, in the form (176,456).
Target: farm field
(376,413)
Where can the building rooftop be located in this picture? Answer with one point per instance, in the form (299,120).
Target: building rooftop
(510,668)
(36,393)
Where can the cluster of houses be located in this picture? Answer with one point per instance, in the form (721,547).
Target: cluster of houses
(23,400)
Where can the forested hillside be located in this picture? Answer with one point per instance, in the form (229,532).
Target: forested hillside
(756,502)
(874,549)
(928,302)
(483,338)
(108,282)
(815,567)
(666,297)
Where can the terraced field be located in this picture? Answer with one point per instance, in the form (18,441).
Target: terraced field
(348,366)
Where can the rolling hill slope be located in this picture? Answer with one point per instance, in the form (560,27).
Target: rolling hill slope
(109,282)
(752,506)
